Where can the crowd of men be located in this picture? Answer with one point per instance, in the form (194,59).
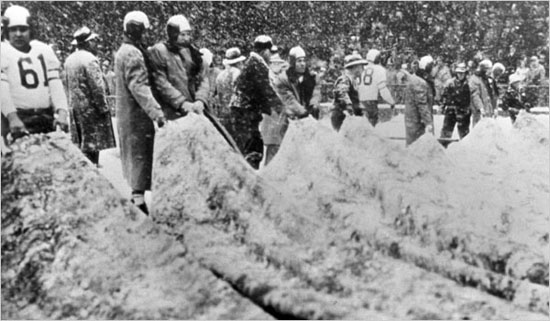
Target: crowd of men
(251,101)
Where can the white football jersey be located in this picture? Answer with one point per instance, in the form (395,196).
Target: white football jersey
(373,79)
(29,74)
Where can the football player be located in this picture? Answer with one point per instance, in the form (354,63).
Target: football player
(371,83)
(31,87)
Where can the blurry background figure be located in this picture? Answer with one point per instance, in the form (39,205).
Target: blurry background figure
(514,98)
(419,100)
(35,104)
(373,83)
(521,68)
(109,75)
(456,104)
(346,96)
(536,76)
(481,92)
(441,75)
(225,84)
(91,127)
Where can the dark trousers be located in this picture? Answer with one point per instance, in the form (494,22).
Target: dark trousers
(371,108)
(37,120)
(459,118)
(246,133)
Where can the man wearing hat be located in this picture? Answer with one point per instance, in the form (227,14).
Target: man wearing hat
(254,96)
(419,99)
(346,96)
(456,104)
(225,83)
(180,75)
(33,98)
(137,111)
(535,77)
(372,83)
(514,98)
(91,127)
(482,95)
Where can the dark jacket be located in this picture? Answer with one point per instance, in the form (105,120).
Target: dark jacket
(136,108)
(178,76)
(346,96)
(457,94)
(91,127)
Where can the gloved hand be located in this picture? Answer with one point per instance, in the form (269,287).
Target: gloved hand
(160,121)
(61,120)
(17,128)
(198,107)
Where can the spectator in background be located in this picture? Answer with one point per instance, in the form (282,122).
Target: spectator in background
(456,104)
(514,100)
(419,99)
(521,68)
(391,76)
(254,96)
(346,96)
(536,73)
(481,92)
(91,127)
(137,110)
(371,84)
(225,84)
(35,104)
(441,75)
(181,82)
(109,76)
(276,66)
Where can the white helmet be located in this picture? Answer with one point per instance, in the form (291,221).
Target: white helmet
(486,64)
(179,21)
(425,61)
(136,17)
(297,52)
(17,16)
(372,55)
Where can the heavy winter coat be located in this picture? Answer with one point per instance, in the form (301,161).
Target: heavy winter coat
(136,108)
(254,95)
(91,127)
(419,98)
(481,94)
(299,97)
(177,77)
(225,85)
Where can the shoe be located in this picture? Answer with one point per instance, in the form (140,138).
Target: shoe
(142,207)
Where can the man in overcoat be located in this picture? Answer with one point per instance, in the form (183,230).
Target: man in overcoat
(419,99)
(180,81)
(137,110)
(254,95)
(91,127)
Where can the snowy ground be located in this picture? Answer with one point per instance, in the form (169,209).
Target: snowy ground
(109,159)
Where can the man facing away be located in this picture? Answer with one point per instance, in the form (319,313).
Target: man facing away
(372,83)
(91,127)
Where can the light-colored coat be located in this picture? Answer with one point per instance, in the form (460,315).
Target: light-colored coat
(136,108)
(91,127)
(419,100)
(481,100)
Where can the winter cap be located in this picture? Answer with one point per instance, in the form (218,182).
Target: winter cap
(534,58)
(353,60)
(499,66)
(275,58)
(264,42)
(233,56)
(17,16)
(297,52)
(82,35)
(136,17)
(425,61)
(372,54)
(461,67)
(486,64)
(207,56)
(179,21)
(515,78)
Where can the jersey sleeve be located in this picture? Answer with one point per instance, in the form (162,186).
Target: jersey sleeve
(6,101)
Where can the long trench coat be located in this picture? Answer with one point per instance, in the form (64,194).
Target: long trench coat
(91,126)
(419,98)
(136,109)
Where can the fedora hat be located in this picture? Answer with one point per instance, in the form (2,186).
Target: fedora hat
(233,56)
(352,60)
